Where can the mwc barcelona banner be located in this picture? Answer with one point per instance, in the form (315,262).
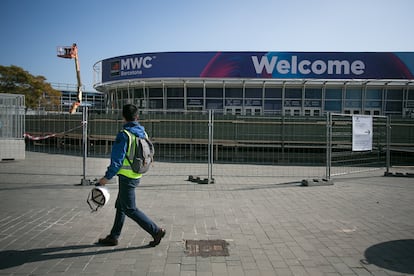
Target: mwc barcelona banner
(271,65)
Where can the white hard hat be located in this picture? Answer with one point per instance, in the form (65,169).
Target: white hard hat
(98,197)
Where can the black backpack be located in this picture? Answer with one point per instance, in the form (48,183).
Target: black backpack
(141,153)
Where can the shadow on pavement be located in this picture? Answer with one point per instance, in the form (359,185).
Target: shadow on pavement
(12,258)
(395,255)
(269,186)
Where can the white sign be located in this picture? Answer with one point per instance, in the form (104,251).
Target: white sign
(361,133)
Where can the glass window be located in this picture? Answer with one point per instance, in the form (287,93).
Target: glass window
(214,92)
(175,92)
(353,104)
(234,102)
(273,93)
(353,97)
(194,92)
(251,92)
(354,93)
(335,106)
(293,93)
(214,104)
(373,98)
(273,105)
(394,106)
(138,93)
(410,94)
(410,102)
(155,104)
(313,103)
(293,103)
(252,102)
(234,92)
(395,94)
(193,102)
(124,93)
(373,104)
(155,92)
(333,93)
(175,104)
(374,94)
(313,93)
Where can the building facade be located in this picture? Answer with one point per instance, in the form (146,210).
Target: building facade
(253,83)
(94,100)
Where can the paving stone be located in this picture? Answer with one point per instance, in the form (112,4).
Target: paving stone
(47,229)
(219,268)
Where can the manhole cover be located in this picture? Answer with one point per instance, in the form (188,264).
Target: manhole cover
(206,248)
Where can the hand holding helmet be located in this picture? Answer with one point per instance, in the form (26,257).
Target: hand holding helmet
(102,182)
(98,196)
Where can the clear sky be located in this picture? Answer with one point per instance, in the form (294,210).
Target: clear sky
(32,29)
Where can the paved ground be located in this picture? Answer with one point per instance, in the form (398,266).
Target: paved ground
(362,225)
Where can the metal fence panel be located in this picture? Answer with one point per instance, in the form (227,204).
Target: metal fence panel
(269,146)
(12,114)
(401,146)
(213,145)
(178,138)
(343,160)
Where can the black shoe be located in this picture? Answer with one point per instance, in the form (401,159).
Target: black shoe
(158,237)
(108,241)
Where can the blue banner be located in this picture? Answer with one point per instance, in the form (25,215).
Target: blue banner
(272,65)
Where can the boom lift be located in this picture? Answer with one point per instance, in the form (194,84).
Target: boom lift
(72,52)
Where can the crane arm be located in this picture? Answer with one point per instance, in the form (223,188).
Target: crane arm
(72,53)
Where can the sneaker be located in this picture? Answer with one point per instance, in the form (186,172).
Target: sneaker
(108,241)
(158,237)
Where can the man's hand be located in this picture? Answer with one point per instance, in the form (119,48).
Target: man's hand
(102,181)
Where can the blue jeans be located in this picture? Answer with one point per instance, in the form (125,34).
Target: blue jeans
(125,205)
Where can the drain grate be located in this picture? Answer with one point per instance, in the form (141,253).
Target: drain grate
(206,248)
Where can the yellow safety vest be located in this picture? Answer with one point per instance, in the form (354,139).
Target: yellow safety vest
(126,169)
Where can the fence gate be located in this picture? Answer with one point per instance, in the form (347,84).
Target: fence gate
(357,143)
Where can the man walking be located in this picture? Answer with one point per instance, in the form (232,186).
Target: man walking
(128,181)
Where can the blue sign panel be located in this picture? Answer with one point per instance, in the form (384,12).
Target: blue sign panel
(272,65)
